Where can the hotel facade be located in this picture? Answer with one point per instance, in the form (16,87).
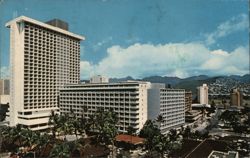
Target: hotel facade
(127,99)
(43,57)
(134,102)
(169,104)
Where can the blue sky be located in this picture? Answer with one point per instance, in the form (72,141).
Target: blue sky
(146,37)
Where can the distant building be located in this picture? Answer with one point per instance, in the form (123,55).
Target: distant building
(236,97)
(99,79)
(43,57)
(133,101)
(4,91)
(203,94)
(193,116)
(4,86)
(188,101)
(219,154)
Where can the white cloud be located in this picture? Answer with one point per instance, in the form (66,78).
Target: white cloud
(4,72)
(173,59)
(235,24)
(101,43)
(87,69)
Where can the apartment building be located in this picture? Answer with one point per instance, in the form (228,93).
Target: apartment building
(4,91)
(43,57)
(170,104)
(203,94)
(4,86)
(127,99)
(236,97)
(188,100)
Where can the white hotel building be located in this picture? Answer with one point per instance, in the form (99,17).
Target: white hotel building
(170,104)
(127,99)
(43,57)
(133,101)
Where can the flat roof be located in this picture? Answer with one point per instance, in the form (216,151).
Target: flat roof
(42,24)
(129,139)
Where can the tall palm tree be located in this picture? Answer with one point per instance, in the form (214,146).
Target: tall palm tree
(106,127)
(54,123)
(159,120)
(65,125)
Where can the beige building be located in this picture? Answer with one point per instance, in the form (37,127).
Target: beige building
(4,86)
(133,101)
(188,101)
(236,97)
(203,94)
(99,79)
(4,91)
(43,58)
(127,99)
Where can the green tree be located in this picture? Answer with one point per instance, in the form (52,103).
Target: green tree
(106,127)
(162,144)
(131,130)
(42,143)
(149,131)
(232,118)
(61,150)
(54,123)
(187,132)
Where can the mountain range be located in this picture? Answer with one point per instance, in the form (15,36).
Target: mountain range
(190,83)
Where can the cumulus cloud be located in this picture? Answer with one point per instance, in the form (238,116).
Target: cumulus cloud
(99,44)
(236,23)
(173,59)
(4,72)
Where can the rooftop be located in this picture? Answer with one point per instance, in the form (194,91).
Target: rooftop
(135,140)
(42,24)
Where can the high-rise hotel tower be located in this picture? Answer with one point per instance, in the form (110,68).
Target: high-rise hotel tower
(43,57)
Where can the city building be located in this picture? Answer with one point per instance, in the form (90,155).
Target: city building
(193,117)
(188,101)
(203,94)
(219,154)
(4,91)
(169,104)
(134,102)
(4,86)
(43,57)
(236,97)
(127,99)
(99,79)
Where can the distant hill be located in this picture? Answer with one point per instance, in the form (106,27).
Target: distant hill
(113,80)
(190,83)
(166,80)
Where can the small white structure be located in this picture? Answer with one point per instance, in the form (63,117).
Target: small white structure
(99,79)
